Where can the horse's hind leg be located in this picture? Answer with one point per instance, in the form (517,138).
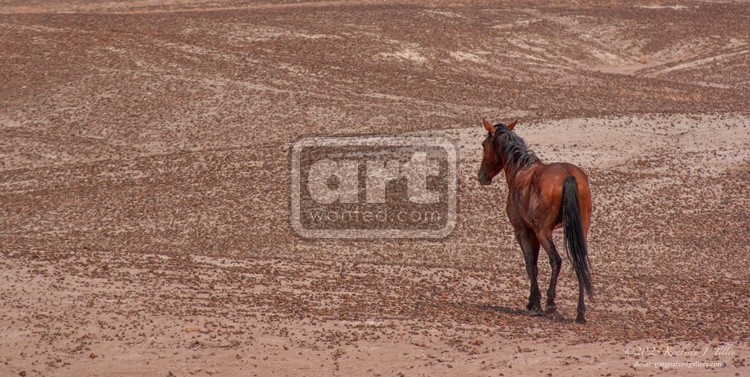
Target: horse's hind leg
(555,263)
(530,247)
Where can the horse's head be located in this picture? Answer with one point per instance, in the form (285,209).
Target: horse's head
(493,161)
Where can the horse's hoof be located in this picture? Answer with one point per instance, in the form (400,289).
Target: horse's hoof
(581,320)
(550,309)
(536,312)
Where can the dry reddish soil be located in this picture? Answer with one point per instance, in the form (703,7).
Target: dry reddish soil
(145,189)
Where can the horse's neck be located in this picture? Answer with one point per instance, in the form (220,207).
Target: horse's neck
(513,173)
(510,174)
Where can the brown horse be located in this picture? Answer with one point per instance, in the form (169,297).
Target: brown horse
(541,197)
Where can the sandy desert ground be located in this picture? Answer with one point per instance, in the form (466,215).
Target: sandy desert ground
(145,187)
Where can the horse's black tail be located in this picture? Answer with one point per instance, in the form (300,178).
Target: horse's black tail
(575,241)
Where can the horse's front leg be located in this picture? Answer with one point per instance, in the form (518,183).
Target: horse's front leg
(530,247)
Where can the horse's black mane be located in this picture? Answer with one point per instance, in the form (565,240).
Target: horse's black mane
(514,147)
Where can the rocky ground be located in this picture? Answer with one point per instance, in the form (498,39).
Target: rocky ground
(145,186)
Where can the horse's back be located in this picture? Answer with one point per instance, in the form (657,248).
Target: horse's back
(553,175)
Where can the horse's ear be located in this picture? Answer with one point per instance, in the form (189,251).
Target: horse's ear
(488,126)
(510,126)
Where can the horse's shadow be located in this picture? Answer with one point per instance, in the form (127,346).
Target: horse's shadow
(514,312)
